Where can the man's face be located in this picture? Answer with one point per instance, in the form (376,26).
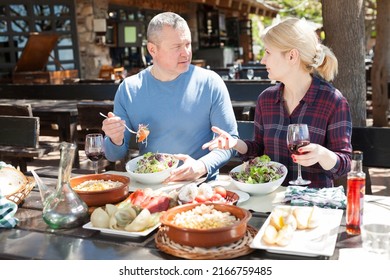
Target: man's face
(173,54)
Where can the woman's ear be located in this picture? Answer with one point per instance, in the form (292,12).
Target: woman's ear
(293,55)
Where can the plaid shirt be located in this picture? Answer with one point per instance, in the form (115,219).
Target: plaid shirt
(327,114)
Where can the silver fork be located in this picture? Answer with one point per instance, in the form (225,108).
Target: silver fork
(103,115)
(380,204)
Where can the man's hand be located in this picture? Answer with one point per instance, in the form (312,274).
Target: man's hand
(190,170)
(114,128)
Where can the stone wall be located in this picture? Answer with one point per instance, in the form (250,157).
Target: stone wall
(93,53)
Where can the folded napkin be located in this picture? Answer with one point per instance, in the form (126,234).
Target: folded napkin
(7,212)
(324,198)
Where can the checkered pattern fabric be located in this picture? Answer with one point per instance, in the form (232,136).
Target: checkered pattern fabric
(324,198)
(7,212)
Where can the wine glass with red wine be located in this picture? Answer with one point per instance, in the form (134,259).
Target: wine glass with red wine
(297,137)
(94,148)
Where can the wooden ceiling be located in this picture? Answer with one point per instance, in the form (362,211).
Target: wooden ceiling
(239,7)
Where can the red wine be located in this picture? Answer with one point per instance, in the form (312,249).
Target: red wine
(293,147)
(95,156)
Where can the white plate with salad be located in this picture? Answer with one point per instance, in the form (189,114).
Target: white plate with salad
(258,176)
(151,168)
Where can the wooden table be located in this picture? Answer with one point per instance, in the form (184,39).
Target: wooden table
(61,112)
(32,239)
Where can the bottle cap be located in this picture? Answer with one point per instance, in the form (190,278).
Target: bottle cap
(357,155)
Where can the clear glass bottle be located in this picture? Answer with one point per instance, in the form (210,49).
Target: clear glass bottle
(356,187)
(64,208)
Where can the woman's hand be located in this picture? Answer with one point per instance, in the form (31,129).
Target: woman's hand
(313,153)
(190,170)
(225,141)
(114,128)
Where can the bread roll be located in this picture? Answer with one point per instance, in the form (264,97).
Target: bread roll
(285,235)
(302,215)
(307,217)
(270,235)
(315,217)
(11,180)
(279,217)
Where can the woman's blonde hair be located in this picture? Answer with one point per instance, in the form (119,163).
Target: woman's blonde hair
(293,33)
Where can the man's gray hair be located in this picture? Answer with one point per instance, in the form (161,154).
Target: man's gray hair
(164,19)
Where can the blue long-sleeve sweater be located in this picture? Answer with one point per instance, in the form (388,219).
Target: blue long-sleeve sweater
(179,115)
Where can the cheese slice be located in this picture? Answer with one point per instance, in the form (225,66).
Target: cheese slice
(11,180)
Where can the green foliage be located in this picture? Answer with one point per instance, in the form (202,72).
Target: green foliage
(308,9)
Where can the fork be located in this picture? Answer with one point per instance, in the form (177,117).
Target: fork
(132,131)
(380,204)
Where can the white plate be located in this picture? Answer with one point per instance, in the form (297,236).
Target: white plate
(122,232)
(302,243)
(243,196)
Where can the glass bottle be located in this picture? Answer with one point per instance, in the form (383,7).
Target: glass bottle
(64,208)
(356,187)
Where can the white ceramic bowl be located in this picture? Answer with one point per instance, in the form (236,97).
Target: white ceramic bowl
(148,178)
(263,188)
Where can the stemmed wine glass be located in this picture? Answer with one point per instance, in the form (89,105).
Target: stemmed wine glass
(94,148)
(250,74)
(232,72)
(298,136)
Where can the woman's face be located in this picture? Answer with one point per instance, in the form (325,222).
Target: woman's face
(173,54)
(276,63)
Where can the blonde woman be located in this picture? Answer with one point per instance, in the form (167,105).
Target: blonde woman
(296,58)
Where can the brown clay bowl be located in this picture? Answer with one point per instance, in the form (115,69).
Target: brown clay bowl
(103,197)
(206,237)
(232,197)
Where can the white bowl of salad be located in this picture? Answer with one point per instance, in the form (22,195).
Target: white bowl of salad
(259,175)
(151,168)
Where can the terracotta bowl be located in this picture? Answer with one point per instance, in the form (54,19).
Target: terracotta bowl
(206,237)
(103,197)
(232,197)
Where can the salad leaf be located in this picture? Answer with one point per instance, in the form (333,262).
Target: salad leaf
(154,162)
(258,170)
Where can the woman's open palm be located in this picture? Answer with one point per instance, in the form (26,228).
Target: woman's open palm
(223,141)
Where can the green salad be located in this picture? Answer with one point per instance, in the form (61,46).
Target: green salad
(258,170)
(154,162)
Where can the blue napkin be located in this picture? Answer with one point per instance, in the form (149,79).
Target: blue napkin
(7,212)
(325,198)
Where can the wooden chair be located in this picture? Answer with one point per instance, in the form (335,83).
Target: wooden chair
(374,143)
(89,119)
(19,141)
(16,110)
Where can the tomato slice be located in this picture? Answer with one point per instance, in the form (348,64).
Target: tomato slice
(142,133)
(221,191)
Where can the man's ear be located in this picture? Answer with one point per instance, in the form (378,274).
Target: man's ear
(151,48)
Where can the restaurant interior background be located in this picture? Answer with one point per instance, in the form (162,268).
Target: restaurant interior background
(94,34)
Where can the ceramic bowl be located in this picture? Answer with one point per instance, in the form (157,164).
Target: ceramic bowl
(206,237)
(102,197)
(148,178)
(262,188)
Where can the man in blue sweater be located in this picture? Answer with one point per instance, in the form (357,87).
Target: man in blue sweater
(179,102)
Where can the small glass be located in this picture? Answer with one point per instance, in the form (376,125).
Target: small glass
(94,148)
(376,239)
(297,137)
(232,72)
(250,74)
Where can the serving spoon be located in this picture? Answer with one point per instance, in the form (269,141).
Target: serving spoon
(103,115)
